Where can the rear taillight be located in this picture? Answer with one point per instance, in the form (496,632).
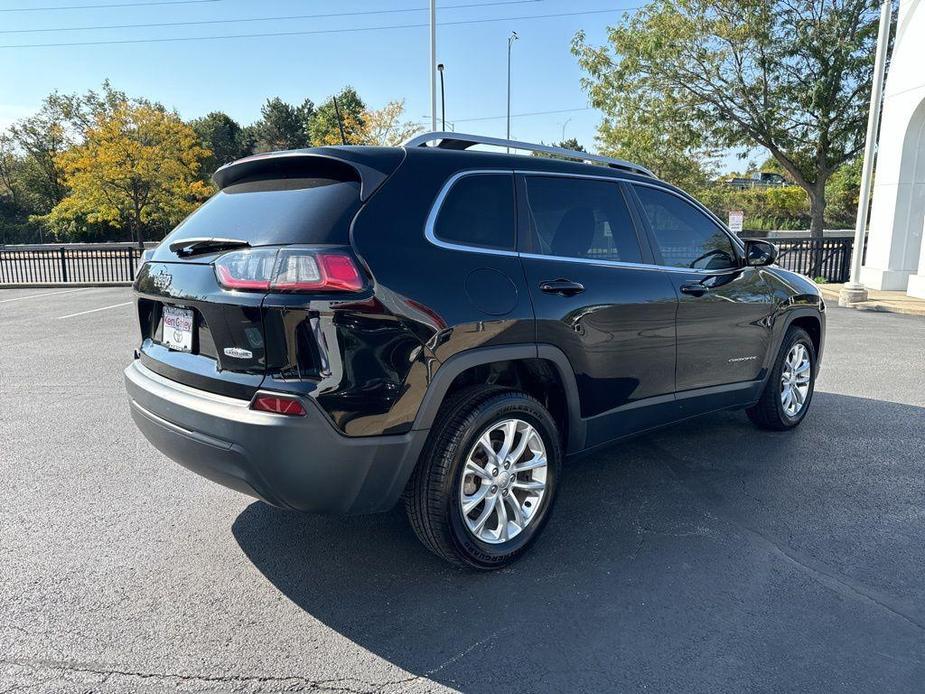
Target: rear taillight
(288,270)
(278,405)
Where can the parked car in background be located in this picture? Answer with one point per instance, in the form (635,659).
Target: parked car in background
(759,179)
(341,328)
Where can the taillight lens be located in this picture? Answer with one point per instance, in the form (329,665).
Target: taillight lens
(278,405)
(247,271)
(288,270)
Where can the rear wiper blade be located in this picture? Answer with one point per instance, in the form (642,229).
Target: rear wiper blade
(187,247)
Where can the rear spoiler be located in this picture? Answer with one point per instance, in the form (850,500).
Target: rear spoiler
(372,164)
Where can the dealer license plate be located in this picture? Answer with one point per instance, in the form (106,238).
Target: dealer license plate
(178,328)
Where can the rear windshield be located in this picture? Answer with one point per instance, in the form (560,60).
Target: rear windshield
(277,211)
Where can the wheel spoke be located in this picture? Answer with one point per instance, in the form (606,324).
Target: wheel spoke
(470,502)
(485,443)
(532,464)
(798,395)
(517,515)
(474,468)
(510,430)
(501,509)
(516,454)
(530,485)
(486,513)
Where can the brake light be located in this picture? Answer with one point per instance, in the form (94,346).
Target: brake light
(278,405)
(288,270)
(246,271)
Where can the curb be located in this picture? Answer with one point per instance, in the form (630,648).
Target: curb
(910,308)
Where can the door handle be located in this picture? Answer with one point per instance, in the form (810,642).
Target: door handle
(694,289)
(562,287)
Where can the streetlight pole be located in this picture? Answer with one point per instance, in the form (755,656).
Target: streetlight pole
(510,42)
(854,291)
(442,99)
(431,63)
(563,129)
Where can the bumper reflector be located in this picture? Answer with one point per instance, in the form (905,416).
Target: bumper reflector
(278,405)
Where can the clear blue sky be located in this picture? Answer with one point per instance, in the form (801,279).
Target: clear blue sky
(237,75)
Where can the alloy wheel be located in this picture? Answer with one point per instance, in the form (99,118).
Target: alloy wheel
(504,481)
(794,379)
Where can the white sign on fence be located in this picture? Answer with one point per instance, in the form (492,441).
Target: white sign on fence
(736,220)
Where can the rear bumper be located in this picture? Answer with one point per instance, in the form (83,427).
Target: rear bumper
(301,463)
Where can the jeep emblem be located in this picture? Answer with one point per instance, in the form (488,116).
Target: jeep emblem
(162,279)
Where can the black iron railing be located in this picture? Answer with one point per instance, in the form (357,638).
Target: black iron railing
(828,257)
(116,262)
(69,264)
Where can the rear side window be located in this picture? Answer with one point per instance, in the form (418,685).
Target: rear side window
(581,218)
(304,209)
(685,236)
(479,211)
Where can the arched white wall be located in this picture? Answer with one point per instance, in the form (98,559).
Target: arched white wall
(898,211)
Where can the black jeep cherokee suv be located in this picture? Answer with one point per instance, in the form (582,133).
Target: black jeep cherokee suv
(342,327)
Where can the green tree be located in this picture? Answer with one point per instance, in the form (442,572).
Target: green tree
(568,143)
(282,126)
(843,192)
(651,131)
(324,129)
(223,136)
(572,144)
(792,76)
(41,139)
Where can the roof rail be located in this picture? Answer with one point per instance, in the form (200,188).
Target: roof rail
(459,141)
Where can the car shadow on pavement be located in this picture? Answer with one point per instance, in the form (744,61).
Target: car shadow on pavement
(699,557)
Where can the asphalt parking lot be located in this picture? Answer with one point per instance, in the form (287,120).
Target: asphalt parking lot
(707,557)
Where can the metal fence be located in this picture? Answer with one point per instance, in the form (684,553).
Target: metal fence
(828,257)
(116,262)
(74,263)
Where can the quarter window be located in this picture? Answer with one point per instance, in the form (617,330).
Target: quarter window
(686,237)
(581,218)
(479,211)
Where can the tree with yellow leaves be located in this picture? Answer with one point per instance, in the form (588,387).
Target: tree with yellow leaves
(386,128)
(137,168)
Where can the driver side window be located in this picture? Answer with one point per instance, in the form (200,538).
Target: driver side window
(685,236)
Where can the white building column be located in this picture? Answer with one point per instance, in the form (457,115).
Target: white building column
(898,209)
(916,286)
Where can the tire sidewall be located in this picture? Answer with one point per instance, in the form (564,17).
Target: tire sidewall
(796,336)
(480,554)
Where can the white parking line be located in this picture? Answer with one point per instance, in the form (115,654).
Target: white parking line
(36,296)
(94,310)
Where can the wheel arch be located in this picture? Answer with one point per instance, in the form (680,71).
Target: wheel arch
(811,319)
(506,359)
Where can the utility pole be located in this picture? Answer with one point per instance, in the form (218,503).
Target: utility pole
(510,42)
(442,99)
(854,291)
(431,63)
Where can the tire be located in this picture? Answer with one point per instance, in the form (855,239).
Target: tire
(770,412)
(443,481)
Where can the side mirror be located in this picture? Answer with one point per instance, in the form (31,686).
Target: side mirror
(759,253)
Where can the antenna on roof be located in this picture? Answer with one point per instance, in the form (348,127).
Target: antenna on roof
(340,123)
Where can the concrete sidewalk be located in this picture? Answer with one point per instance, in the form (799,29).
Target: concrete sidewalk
(890,302)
